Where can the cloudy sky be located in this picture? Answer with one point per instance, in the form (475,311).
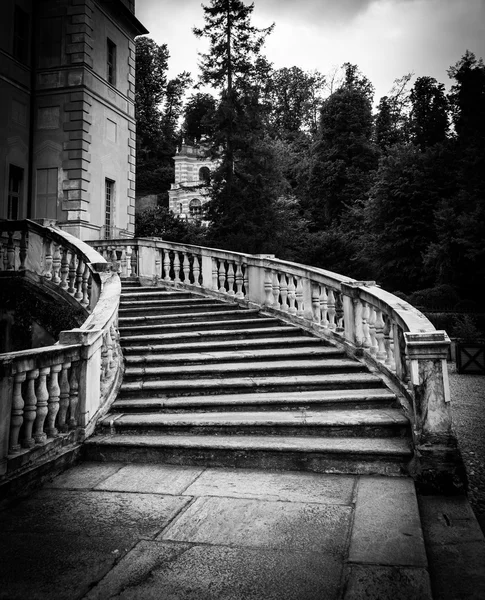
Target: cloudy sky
(385,38)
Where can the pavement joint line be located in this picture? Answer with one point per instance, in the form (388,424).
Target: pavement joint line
(181,511)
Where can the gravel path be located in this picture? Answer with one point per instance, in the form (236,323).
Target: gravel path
(468,407)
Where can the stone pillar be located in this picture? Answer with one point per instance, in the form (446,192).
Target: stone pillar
(6,390)
(437,464)
(256,279)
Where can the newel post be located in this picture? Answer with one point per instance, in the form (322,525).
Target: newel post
(437,463)
(89,372)
(147,257)
(256,273)
(6,391)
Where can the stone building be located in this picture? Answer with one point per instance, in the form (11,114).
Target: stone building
(67,119)
(189,192)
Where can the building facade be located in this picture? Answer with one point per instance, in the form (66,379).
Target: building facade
(189,193)
(67,116)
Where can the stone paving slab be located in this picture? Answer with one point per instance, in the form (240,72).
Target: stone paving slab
(387,527)
(151,479)
(92,513)
(274,486)
(385,583)
(260,524)
(50,566)
(84,476)
(156,571)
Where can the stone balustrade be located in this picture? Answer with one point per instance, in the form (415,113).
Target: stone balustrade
(51,397)
(386,332)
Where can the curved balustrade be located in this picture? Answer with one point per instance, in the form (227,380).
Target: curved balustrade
(51,396)
(388,333)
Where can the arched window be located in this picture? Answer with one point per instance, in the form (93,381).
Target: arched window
(195,208)
(205,175)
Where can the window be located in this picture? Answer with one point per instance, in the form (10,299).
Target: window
(46,193)
(195,208)
(21,27)
(181,208)
(50,42)
(15,179)
(205,175)
(111,62)
(108,211)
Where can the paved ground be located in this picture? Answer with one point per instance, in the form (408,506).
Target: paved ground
(108,530)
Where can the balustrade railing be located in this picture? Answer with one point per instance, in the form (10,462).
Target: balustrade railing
(380,328)
(52,396)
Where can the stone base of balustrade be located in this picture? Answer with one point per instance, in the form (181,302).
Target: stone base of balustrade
(30,468)
(437,466)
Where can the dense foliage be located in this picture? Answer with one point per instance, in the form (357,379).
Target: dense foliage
(310,168)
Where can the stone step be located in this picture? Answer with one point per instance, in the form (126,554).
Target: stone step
(236,385)
(264,343)
(154,307)
(270,329)
(329,423)
(201,326)
(152,293)
(322,399)
(246,369)
(363,456)
(190,358)
(185,311)
(176,318)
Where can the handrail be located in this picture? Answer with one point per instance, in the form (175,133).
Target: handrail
(52,396)
(389,334)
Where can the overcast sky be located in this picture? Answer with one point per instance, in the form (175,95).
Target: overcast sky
(385,38)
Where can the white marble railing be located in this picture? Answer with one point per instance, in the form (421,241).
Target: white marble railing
(389,334)
(52,396)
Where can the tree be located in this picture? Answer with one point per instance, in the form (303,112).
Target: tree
(345,156)
(159,221)
(172,109)
(429,113)
(198,114)
(391,122)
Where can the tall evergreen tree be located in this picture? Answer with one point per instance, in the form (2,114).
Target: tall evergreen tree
(429,113)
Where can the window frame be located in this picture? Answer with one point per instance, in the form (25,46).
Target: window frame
(110,62)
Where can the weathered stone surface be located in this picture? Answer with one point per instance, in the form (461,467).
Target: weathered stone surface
(153,571)
(383,583)
(448,520)
(387,527)
(50,566)
(272,486)
(96,513)
(259,524)
(151,478)
(84,476)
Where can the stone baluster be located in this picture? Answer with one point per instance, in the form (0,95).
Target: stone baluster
(48,260)
(113,259)
(215,274)
(380,337)
(222,277)
(276,291)
(73,395)
(30,409)
(389,344)
(72,275)
(196,270)
(123,262)
(317,315)
(85,286)
(176,267)
(63,398)
(114,338)
(166,265)
(230,279)
(158,264)
(64,270)
(53,402)
(1,252)
(17,412)
(283,292)
(268,287)
(24,242)
(10,252)
(291,295)
(324,307)
(56,264)
(331,312)
(110,345)
(79,280)
(372,330)
(339,311)
(134,261)
(245,282)
(239,281)
(299,297)
(186,267)
(129,257)
(42,401)
(104,357)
